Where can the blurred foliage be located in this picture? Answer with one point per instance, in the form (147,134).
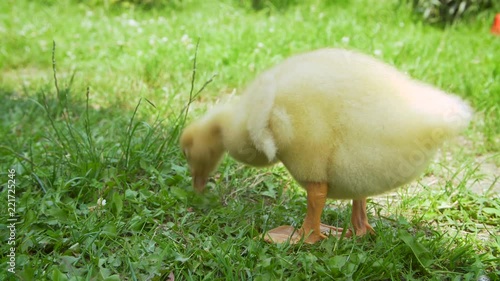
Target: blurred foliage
(281,5)
(447,11)
(145,4)
(276,4)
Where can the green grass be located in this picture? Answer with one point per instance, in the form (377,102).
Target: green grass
(110,128)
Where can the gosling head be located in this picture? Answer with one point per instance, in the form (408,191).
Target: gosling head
(202,146)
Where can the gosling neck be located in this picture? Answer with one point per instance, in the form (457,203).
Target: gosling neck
(235,138)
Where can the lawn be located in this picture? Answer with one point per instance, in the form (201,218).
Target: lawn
(94,95)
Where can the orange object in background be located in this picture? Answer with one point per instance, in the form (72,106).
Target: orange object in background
(495,28)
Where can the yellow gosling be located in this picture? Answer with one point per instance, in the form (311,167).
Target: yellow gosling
(345,125)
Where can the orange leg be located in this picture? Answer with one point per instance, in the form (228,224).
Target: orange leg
(312,228)
(316,198)
(359,219)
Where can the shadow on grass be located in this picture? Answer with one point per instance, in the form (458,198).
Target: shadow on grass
(53,138)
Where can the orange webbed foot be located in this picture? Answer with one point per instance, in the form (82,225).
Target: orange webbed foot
(287,233)
(312,229)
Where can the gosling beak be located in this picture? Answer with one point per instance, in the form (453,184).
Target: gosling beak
(199,183)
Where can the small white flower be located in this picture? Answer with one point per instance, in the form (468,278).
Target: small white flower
(377,52)
(185,39)
(345,40)
(260,45)
(483,278)
(132,22)
(101,202)
(43,44)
